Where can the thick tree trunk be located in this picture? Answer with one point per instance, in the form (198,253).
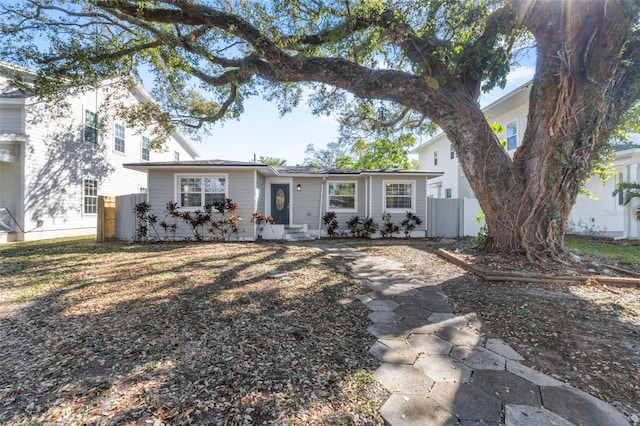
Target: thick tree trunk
(580,88)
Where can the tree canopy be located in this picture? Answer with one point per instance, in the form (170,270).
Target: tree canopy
(380,63)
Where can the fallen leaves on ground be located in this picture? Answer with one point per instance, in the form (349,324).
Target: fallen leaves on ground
(175,334)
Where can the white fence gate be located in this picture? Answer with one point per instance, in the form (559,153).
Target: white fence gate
(126,215)
(452,217)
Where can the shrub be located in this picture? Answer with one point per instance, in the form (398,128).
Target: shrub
(388,227)
(410,222)
(331,221)
(361,227)
(144,218)
(225,223)
(261,221)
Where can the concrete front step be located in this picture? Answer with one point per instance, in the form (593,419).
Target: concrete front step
(296,233)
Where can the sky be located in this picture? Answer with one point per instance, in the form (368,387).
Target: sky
(262,132)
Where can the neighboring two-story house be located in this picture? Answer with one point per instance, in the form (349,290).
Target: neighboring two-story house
(596,211)
(55,162)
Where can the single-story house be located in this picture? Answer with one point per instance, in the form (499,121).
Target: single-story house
(296,197)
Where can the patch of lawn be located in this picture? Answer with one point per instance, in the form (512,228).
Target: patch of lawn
(615,253)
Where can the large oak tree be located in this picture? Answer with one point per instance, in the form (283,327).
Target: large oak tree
(415,59)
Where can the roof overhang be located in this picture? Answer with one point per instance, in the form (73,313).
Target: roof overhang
(200,166)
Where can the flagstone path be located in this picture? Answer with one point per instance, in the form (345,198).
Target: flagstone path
(440,373)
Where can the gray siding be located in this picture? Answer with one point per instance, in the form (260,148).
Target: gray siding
(306,202)
(240,187)
(260,193)
(377,199)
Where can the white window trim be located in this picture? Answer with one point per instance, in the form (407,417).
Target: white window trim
(176,183)
(435,157)
(355,197)
(413,196)
(84,197)
(124,139)
(506,131)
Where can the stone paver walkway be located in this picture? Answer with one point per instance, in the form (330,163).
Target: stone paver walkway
(440,373)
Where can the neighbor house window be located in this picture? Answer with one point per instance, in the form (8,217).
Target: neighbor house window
(399,196)
(620,193)
(512,136)
(448,193)
(176,156)
(90,127)
(341,196)
(145,148)
(452,152)
(435,158)
(199,191)
(90,196)
(118,141)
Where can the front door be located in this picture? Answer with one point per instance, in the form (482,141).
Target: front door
(280,203)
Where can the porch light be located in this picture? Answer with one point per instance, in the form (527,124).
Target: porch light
(299,187)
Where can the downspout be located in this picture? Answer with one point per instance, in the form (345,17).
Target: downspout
(366,198)
(255,200)
(370,195)
(320,208)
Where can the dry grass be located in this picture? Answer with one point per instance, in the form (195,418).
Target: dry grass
(170,333)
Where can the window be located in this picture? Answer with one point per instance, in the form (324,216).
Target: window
(448,193)
(176,156)
(452,152)
(118,142)
(512,136)
(341,196)
(90,192)
(399,196)
(145,148)
(90,127)
(620,193)
(435,158)
(199,191)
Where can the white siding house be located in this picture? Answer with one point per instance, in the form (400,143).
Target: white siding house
(54,162)
(597,212)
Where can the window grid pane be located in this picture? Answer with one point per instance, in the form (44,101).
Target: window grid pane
(202,191)
(398,196)
(119,138)
(145,148)
(90,127)
(90,191)
(190,192)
